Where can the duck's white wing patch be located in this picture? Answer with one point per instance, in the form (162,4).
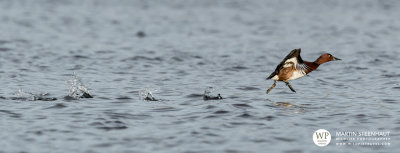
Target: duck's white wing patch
(300,72)
(290,62)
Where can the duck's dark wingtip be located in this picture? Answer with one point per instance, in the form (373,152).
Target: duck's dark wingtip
(294,52)
(297,50)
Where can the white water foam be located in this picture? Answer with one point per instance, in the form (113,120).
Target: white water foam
(77,89)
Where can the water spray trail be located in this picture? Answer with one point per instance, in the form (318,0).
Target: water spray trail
(77,89)
(147,94)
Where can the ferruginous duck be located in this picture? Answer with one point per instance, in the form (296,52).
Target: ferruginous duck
(293,67)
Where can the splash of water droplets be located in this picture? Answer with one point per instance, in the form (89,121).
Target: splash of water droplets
(77,89)
(209,96)
(208,91)
(24,95)
(147,94)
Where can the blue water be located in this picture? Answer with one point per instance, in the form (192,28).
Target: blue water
(178,49)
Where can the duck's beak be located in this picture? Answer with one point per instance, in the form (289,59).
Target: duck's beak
(335,58)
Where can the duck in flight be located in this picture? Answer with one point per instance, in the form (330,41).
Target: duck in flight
(293,67)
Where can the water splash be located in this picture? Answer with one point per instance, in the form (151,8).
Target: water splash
(208,91)
(77,89)
(23,95)
(209,96)
(147,94)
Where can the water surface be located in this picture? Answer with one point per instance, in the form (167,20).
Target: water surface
(177,49)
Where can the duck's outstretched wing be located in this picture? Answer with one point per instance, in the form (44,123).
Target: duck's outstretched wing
(293,56)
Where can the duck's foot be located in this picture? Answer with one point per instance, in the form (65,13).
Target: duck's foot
(290,86)
(270,88)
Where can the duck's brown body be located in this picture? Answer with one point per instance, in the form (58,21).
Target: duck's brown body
(293,67)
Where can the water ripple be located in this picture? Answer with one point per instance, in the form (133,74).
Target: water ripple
(57,106)
(11,114)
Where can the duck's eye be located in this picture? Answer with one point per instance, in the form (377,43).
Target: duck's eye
(329,55)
